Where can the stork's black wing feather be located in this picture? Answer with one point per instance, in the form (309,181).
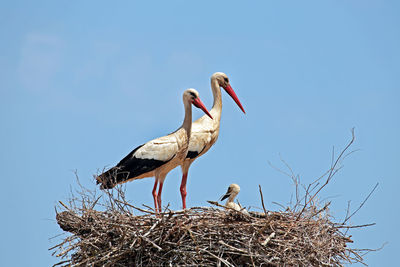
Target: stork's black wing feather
(194,154)
(129,167)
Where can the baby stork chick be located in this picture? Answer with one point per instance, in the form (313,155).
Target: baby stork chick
(232,192)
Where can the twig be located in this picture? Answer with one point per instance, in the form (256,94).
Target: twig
(266,241)
(218,258)
(362,204)
(262,199)
(332,172)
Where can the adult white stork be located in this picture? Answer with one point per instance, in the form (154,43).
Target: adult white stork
(156,157)
(205,131)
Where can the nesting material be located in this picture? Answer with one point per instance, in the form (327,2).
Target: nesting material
(201,236)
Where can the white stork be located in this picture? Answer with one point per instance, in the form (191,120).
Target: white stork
(232,192)
(156,157)
(205,131)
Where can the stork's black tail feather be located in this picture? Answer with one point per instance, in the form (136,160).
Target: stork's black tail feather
(111,178)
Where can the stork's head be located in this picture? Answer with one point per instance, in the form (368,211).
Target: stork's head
(223,81)
(233,190)
(192,96)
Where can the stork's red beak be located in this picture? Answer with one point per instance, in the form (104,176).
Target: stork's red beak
(232,93)
(198,104)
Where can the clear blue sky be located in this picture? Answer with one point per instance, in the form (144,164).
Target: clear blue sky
(82,83)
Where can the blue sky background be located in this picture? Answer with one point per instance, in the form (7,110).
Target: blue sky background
(82,83)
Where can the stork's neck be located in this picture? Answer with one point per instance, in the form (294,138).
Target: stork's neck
(217,105)
(187,121)
(231,198)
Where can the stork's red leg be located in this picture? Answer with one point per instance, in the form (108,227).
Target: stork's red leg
(154,193)
(159,196)
(183,189)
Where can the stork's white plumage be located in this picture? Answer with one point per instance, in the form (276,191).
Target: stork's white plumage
(156,157)
(205,131)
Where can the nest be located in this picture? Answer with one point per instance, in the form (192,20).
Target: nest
(202,236)
(107,230)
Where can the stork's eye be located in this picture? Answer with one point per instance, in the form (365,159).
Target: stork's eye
(193,95)
(226,80)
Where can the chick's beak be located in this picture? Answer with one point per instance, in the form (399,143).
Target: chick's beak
(225,196)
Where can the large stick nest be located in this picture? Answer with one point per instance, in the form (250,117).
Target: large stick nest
(204,237)
(105,231)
